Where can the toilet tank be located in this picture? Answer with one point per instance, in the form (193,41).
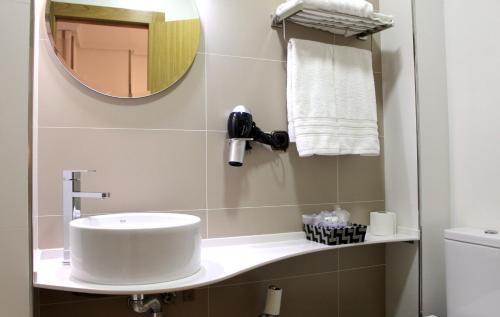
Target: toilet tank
(472,273)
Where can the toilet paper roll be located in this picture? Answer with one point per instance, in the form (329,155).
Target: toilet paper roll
(383,223)
(273,301)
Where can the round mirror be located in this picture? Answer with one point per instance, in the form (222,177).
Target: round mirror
(124,48)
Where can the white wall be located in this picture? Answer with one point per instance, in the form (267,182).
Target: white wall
(400,126)
(434,151)
(473,67)
(15,290)
(400,144)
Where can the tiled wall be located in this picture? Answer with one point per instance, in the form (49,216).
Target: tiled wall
(168,153)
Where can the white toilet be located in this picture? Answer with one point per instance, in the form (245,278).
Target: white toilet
(472,273)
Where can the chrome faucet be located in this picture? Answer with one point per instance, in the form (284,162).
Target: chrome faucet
(72,203)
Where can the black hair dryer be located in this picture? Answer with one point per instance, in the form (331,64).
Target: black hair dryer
(242,130)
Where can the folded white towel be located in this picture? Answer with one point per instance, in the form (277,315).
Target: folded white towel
(360,8)
(331,99)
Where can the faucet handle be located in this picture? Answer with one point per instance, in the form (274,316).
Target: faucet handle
(69,175)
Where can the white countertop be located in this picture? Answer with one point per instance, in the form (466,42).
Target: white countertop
(222,259)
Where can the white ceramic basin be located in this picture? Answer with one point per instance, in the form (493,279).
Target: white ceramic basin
(135,248)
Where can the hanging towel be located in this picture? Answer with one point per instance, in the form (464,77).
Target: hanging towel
(359,8)
(331,101)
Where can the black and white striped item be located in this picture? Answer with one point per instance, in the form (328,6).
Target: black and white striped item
(351,234)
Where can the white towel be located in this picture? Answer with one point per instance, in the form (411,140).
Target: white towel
(331,99)
(361,8)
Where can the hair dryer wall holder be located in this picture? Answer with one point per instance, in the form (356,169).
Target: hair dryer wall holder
(242,130)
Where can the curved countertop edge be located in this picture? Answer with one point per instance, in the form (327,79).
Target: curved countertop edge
(222,258)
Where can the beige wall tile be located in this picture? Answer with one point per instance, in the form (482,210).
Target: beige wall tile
(64,102)
(242,28)
(50,232)
(315,263)
(311,295)
(362,292)
(362,256)
(268,178)
(354,42)
(296,31)
(261,220)
(377,53)
(143,170)
(43,34)
(15,273)
(51,228)
(361,178)
(259,85)
(360,211)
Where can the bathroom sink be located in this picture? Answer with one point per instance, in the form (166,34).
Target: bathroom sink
(135,248)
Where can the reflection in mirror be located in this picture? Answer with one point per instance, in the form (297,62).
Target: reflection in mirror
(118,48)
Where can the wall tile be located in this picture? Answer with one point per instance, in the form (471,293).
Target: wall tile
(312,295)
(361,178)
(377,53)
(42,27)
(50,297)
(51,228)
(362,256)
(268,178)
(15,272)
(360,211)
(315,263)
(242,28)
(95,306)
(353,41)
(64,102)
(380,103)
(261,220)
(143,170)
(362,292)
(189,304)
(115,306)
(259,85)
(296,31)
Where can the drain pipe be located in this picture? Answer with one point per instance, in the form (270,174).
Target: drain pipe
(140,305)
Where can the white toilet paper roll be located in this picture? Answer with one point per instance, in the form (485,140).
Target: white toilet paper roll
(382,223)
(273,301)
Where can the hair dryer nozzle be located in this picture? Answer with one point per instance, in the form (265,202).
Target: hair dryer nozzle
(237,149)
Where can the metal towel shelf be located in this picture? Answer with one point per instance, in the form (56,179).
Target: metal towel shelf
(334,22)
